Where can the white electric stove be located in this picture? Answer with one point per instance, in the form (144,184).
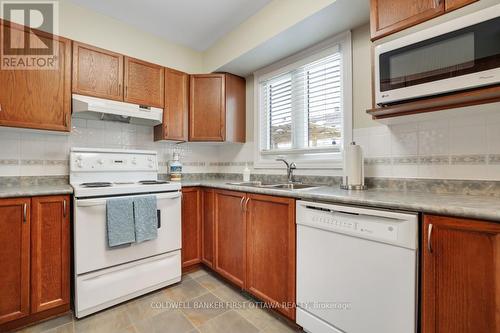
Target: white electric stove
(106,276)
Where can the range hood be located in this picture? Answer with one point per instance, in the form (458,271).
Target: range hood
(104,109)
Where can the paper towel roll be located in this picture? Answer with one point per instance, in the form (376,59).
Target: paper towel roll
(353,162)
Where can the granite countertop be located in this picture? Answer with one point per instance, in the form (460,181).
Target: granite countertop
(34,190)
(468,206)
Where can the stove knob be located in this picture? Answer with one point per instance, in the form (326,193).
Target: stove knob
(134,161)
(150,165)
(101,162)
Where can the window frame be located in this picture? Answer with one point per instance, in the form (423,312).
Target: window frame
(307,158)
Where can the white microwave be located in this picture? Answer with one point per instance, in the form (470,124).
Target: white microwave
(460,54)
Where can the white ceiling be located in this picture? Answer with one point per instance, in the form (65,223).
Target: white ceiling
(197,24)
(340,16)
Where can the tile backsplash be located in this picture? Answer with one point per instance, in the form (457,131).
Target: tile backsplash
(26,152)
(450,146)
(454,146)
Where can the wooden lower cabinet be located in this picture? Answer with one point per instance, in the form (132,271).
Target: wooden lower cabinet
(15,259)
(270,237)
(191,226)
(208,227)
(460,275)
(50,271)
(35,257)
(255,245)
(230,229)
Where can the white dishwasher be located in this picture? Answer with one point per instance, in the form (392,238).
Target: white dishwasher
(356,269)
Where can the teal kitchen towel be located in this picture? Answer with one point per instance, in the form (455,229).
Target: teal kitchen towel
(120,221)
(146,221)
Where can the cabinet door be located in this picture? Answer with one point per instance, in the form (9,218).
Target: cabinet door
(460,276)
(15,259)
(455,4)
(208,228)
(50,267)
(97,72)
(144,83)
(207,108)
(176,111)
(235,109)
(390,16)
(38,98)
(230,240)
(191,226)
(271,250)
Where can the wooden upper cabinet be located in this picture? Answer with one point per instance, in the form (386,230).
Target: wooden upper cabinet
(191,226)
(217,108)
(208,228)
(176,109)
(460,275)
(39,99)
(390,16)
(97,72)
(144,83)
(271,250)
(15,259)
(230,240)
(50,252)
(455,4)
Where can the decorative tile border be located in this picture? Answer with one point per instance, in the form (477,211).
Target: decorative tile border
(404,160)
(434,160)
(494,159)
(9,162)
(468,159)
(378,161)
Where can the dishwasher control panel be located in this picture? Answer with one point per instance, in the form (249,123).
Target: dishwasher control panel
(377,225)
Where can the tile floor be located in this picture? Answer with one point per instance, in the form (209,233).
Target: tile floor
(157,312)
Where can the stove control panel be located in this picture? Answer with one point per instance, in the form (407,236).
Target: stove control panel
(114,160)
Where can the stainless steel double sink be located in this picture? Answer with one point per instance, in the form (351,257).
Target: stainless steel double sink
(279,186)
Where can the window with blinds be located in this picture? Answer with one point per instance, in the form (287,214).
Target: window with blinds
(302,109)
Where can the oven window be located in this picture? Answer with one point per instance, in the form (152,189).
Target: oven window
(469,50)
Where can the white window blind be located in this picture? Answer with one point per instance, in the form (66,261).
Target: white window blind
(302,109)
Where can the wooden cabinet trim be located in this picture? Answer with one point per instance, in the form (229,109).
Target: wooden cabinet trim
(41,283)
(208,228)
(483,238)
(240,282)
(146,98)
(451,5)
(221,135)
(290,265)
(196,259)
(64,122)
(79,90)
(377,32)
(24,205)
(176,108)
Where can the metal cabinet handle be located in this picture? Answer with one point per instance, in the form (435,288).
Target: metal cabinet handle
(429,238)
(64,208)
(66,120)
(241,203)
(246,204)
(25,212)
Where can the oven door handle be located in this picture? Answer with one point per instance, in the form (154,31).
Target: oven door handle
(100,202)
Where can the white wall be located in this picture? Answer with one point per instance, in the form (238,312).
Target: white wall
(90,27)
(274,18)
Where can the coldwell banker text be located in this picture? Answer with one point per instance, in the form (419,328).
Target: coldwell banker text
(28,35)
